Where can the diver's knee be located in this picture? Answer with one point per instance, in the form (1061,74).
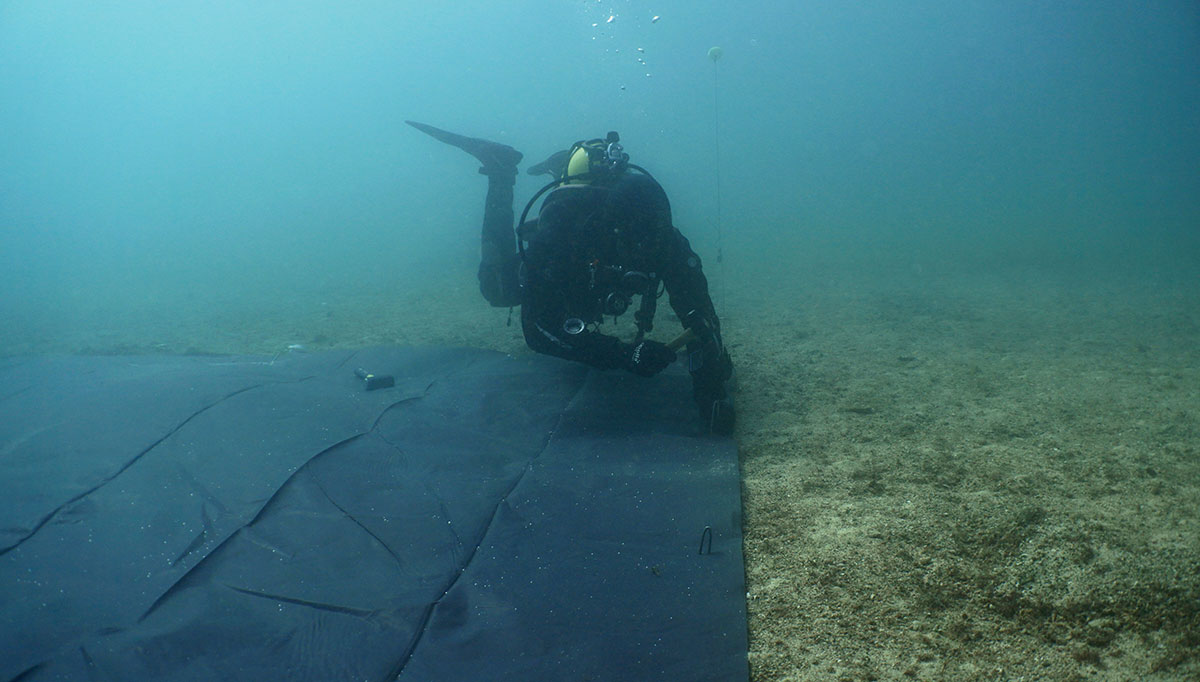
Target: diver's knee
(499,291)
(492,291)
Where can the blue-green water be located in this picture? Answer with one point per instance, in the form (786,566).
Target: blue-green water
(961,273)
(224,151)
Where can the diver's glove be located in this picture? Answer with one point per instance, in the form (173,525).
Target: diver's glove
(711,369)
(707,360)
(710,390)
(648,358)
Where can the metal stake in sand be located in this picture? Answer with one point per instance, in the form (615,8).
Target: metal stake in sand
(706,540)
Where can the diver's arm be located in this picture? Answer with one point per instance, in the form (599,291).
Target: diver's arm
(543,320)
(708,361)
(543,326)
(687,287)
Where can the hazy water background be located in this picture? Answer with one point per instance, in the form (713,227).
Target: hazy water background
(186,156)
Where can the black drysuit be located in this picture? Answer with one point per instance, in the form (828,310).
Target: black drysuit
(592,249)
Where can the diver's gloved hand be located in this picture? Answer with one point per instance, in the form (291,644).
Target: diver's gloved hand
(708,361)
(649,358)
(712,395)
(711,369)
(706,338)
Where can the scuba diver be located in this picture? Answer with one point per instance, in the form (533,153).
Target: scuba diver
(602,236)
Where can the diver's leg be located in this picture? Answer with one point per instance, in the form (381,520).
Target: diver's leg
(499,262)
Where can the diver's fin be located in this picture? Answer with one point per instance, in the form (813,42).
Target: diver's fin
(555,164)
(493,155)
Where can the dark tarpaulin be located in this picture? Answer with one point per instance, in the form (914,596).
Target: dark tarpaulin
(487,518)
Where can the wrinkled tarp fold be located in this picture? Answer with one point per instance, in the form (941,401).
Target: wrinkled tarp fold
(247,518)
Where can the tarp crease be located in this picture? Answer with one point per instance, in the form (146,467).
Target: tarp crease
(125,467)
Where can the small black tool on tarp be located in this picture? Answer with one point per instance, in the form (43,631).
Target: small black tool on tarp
(374,381)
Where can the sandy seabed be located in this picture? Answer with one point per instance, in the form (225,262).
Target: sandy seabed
(986,473)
